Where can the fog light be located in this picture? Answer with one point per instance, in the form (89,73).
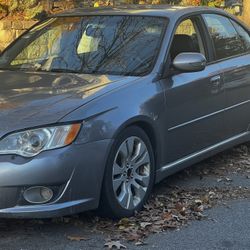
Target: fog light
(46,193)
(38,195)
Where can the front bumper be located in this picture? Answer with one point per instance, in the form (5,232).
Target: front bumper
(75,172)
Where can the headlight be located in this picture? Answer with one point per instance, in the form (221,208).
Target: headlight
(32,142)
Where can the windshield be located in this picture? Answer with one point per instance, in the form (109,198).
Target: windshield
(119,45)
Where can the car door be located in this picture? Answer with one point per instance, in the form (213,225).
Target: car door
(194,101)
(232,52)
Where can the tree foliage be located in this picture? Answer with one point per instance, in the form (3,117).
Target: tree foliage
(28,9)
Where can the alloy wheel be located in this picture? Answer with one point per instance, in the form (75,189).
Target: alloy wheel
(131,172)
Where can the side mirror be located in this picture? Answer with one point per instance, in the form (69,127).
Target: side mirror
(190,62)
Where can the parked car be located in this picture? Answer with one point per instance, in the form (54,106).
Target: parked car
(98,105)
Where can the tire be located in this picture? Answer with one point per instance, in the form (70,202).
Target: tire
(129,175)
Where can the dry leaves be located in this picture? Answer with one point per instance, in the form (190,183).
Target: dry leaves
(114,245)
(171,210)
(172,207)
(77,238)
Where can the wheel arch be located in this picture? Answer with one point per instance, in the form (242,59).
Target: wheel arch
(147,125)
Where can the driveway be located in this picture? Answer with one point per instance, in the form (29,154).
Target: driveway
(204,207)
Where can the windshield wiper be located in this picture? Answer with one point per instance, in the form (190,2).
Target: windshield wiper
(13,69)
(42,70)
(6,69)
(62,71)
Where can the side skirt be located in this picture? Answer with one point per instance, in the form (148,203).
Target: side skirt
(191,159)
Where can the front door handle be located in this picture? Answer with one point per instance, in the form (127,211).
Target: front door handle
(215,81)
(215,84)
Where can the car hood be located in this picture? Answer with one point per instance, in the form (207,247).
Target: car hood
(35,99)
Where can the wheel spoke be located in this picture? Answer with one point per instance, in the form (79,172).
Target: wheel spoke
(117,183)
(135,184)
(117,170)
(124,151)
(144,179)
(140,192)
(130,146)
(130,204)
(123,197)
(140,150)
(144,160)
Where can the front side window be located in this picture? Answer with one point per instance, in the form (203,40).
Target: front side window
(187,38)
(120,45)
(227,42)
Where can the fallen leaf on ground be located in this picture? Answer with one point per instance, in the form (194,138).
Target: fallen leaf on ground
(167,216)
(77,238)
(114,244)
(145,224)
(140,243)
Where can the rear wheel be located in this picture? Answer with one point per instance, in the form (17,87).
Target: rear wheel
(129,175)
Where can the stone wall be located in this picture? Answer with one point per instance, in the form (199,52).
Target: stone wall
(246,12)
(10,30)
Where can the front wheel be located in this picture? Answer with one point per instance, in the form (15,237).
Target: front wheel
(129,175)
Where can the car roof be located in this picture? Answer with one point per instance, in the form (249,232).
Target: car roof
(140,10)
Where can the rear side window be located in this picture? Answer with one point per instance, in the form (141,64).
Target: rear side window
(244,35)
(227,42)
